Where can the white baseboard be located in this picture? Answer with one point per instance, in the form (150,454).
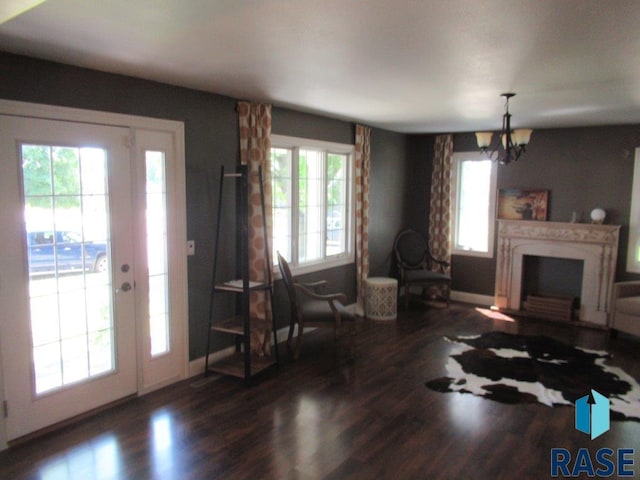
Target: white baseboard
(473,298)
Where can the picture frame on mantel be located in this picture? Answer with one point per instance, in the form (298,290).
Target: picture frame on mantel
(523,204)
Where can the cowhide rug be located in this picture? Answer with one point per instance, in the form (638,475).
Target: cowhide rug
(524,369)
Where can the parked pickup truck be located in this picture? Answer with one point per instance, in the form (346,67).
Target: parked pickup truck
(64,251)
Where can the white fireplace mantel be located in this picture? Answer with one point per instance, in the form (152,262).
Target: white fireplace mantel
(595,245)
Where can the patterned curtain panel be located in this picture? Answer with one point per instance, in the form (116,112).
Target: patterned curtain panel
(255,152)
(440,206)
(363,168)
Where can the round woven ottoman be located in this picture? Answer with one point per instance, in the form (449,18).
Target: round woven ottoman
(380,298)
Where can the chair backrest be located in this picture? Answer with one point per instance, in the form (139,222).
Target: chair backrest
(411,249)
(287,278)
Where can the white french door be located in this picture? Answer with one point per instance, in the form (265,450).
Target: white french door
(89,314)
(68,332)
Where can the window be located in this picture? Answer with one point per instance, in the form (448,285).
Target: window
(312,203)
(473,199)
(157,246)
(633,252)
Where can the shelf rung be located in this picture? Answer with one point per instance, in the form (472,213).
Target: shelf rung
(223,287)
(235,324)
(237,175)
(234,365)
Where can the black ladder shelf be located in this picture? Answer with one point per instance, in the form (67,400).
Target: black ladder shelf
(243,363)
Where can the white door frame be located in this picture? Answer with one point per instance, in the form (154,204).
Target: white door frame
(179,292)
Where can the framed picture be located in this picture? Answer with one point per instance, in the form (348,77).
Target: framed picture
(522,204)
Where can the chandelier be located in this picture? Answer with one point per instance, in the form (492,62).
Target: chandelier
(514,142)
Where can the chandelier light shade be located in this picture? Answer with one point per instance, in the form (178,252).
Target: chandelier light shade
(514,142)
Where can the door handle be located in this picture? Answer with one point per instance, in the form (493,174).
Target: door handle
(125,287)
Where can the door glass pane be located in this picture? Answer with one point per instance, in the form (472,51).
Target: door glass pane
(156,199)
(68,248)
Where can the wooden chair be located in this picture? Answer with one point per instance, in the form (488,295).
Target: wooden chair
(313,309)
(416,265)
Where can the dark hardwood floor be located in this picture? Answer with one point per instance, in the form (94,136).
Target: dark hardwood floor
(326,417)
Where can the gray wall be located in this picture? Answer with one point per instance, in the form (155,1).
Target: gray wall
(583,168)
(418,185)
(387,197)
(211,140)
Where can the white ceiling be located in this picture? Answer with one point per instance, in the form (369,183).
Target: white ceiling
(404,65)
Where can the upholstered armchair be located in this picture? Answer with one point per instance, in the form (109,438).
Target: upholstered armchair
(625,308)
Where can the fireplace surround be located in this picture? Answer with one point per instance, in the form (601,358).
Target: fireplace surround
(595,245)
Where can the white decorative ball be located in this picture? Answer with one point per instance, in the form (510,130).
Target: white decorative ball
(598,215)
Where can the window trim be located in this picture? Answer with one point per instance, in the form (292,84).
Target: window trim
(289,142)
(458,158)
